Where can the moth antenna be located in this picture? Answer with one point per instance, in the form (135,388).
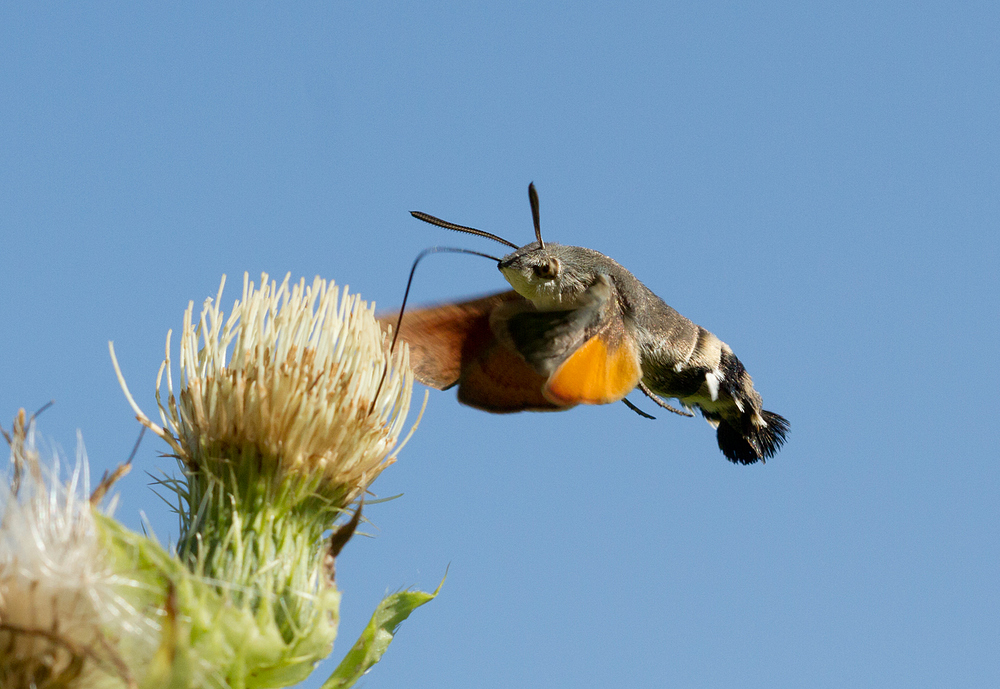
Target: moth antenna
(406,296)
(533,198)
(420,215)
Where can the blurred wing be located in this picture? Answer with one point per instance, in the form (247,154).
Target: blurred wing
(500,381)
(444,338)
(454,343)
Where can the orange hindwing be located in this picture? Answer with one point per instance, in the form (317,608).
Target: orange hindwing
(596,373)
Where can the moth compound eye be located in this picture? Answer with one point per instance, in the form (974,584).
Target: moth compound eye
(548,270)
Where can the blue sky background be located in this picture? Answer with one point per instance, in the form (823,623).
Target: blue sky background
(816,183)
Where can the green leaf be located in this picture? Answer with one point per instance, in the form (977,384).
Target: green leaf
(376,637)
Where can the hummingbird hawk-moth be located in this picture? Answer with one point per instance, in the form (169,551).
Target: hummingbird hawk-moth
(578,328)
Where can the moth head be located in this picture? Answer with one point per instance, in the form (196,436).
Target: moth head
(551,276)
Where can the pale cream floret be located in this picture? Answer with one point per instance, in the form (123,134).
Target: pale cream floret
(294,371)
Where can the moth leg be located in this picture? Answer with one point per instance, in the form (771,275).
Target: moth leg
(653,396)
(636,409)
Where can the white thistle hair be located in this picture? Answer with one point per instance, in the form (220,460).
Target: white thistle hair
(65,614)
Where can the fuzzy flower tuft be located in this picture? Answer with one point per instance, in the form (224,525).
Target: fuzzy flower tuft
(297,376)
(66,616)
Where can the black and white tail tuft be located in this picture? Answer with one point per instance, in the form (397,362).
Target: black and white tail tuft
(752,441)
(746,432)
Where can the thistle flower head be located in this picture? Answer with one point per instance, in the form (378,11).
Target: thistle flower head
(286,410)
(65,614)
(296,378)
